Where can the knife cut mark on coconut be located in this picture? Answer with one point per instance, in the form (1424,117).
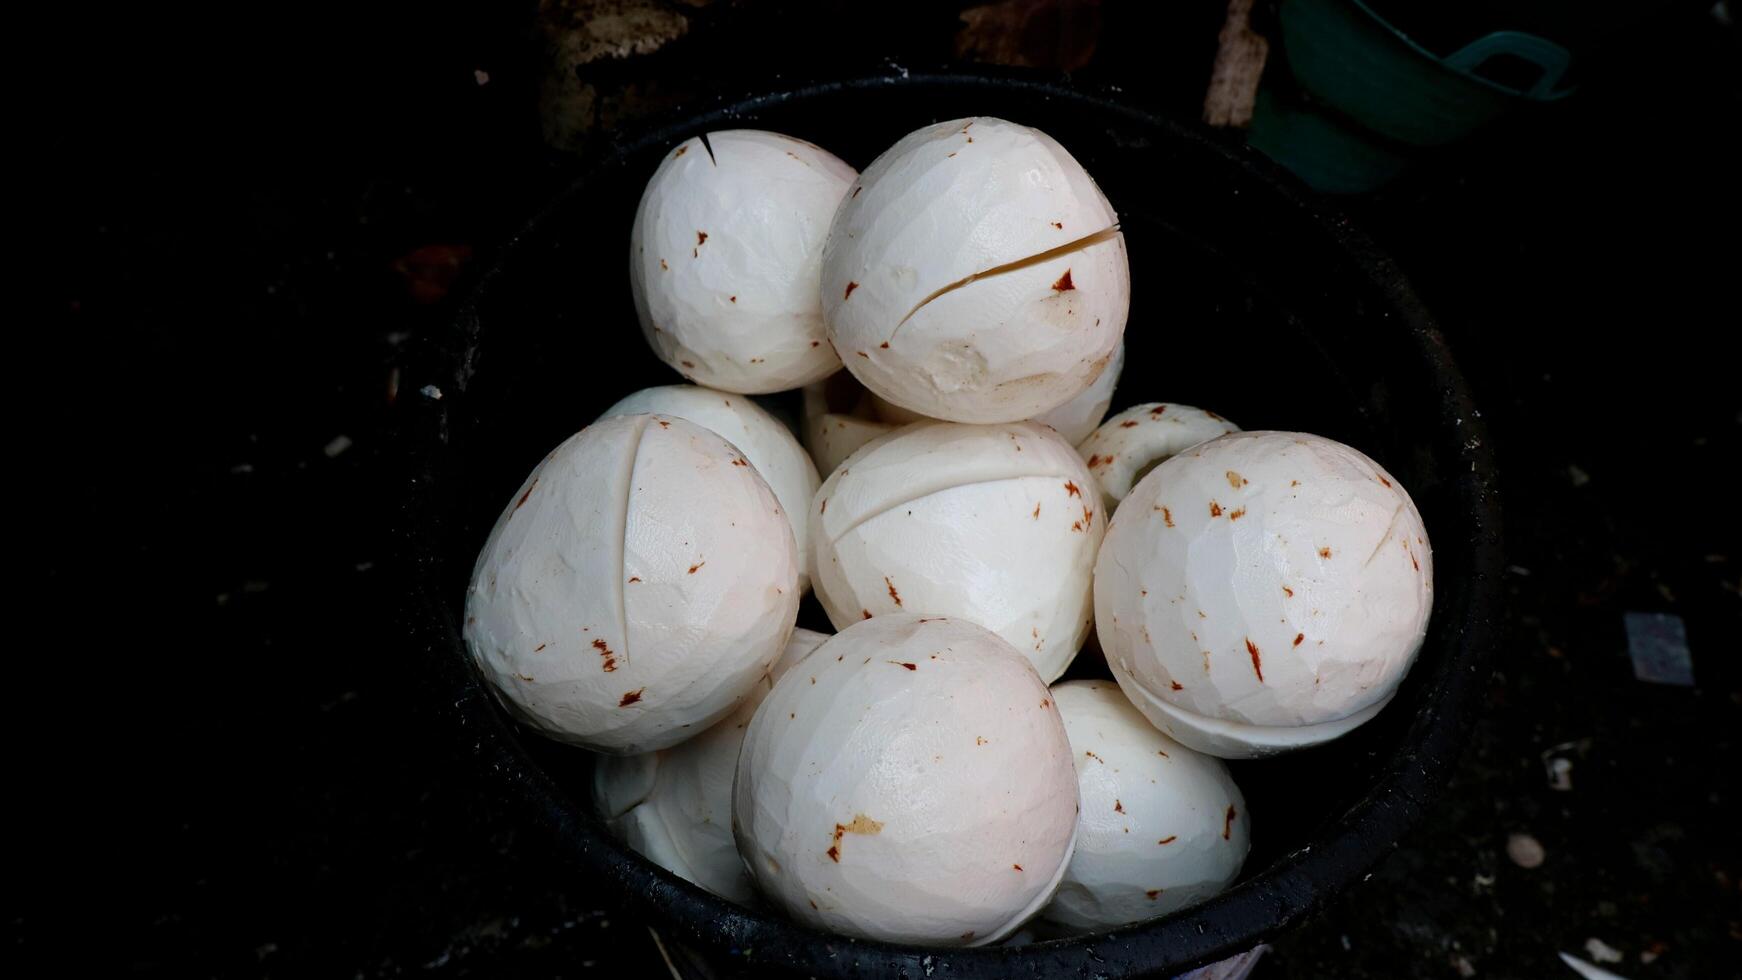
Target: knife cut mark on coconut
(621,657)
(1081,244)
(927,490)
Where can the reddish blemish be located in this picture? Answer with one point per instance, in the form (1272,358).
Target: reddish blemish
(1385,481)
(610,662)
(701,238)
(662,265)
(903,663)
(541,646)
(631,697)
(1212,415)
(686,364)
(1324,552)
(1235,480)
(1118,807)
(1257,663)
(680,152)
(740,461)
(1037,512)
(892,593)
(1096,461)
(884,345)
(696,567)
(1059,225)
(733,298)
(663,423)
(1294,483)
(1073,489)
(816,343)
(1095,757)
(1088,515)
(1215,509)
(1046,702)
(634,578)
(527,494)
(1076,525)
(835,853)
(1157,410)
(1017,867)
(1177,685)
(1064,283)
(1228,822)
(824,508)
(849,293)
(1235,515)
(867,613)
(1167,517)
(1288,591)
(856,190)
(1298,637)
(1169,839)
(1128,424)
(1164,755)
(1152,893)
(863,354)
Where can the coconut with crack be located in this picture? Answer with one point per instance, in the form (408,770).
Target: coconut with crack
(767,444)
(675,806)
(1263,591)
(996,524)
(976,274)
(1130,444)
(636,588)
(911,783)
(1162,827)
(725,256)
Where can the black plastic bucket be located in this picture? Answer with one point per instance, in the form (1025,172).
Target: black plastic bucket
(1249,297)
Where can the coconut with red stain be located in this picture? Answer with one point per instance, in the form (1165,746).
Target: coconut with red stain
(996,524)
(637,587)
(838,418)
(934,804)
(674,806)
(979,275)
(765,442)
(1154,833)
(1142,437)
(725,256)
(1262,592)
(1074,420)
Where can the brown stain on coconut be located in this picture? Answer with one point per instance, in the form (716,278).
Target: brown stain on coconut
(1228,822)
(610,661)
(849,293)
(1064,283)
(631,697)
(1072,489)
(527,494)
(1215,509)
(860,824)
(1235,480)
(1169,839)
(1257,661)
(893,594)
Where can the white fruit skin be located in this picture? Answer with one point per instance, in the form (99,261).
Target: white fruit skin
(944,514)
(1180,604)
(645,498)
(767,444)
(962,760)
(952,201)
(830,437)
(1139,787)
(1075,419)
(674,806)
(1142,436)
(765,202)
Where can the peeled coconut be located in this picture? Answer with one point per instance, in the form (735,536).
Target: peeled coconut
(725,258)
(911,782)
(1074,420)
(1162,827)
(838,418)
(637,587)
(1135,441)
(674,806)
(976,274)
(995,524)
(767,444)
(1262,592)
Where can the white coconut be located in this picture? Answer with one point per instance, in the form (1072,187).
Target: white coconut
(1162,827)
(1077,418)
(995,524)
(1263,591)
(725,258)
(911,783)
(636,588)
(675,806)
(976,274)
(838,418)
(1135,441)
(767,444)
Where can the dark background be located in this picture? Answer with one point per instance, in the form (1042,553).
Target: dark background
(224,768)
